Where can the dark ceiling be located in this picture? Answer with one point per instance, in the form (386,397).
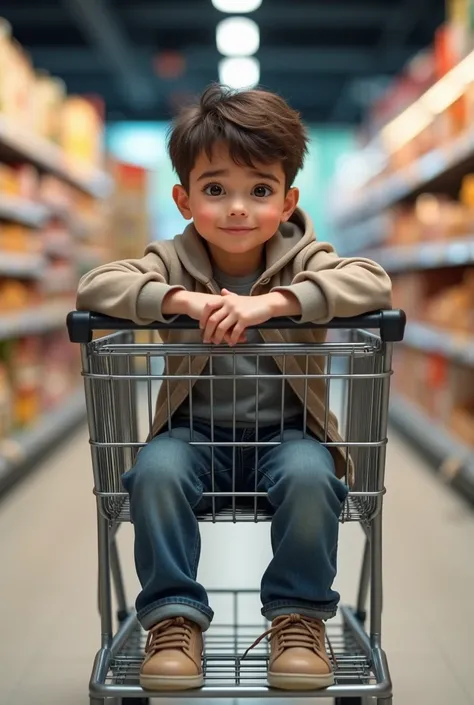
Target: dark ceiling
(327,57)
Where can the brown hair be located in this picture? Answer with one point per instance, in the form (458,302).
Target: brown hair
(257,125)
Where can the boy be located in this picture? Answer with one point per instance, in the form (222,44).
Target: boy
(249,255)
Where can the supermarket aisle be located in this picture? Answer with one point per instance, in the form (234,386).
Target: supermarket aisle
(48,618)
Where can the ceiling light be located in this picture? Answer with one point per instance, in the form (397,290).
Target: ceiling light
(237,36)
(236,5)
(242,72)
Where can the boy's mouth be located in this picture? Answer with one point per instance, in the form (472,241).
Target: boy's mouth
(236,229)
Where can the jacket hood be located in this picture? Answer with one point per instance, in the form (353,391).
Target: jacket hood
(289,239)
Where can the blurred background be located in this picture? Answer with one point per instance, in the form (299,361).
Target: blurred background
(386,88)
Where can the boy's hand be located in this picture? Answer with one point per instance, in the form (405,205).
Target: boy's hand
(228,318)
(197,303)
(193,304)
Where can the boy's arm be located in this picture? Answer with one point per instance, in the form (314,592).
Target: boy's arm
(132,289)
(330,286)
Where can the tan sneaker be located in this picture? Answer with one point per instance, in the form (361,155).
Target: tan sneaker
(173,656)
(298,657)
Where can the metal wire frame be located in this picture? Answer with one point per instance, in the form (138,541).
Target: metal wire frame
(122,379)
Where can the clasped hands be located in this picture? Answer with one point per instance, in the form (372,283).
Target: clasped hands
(224,317)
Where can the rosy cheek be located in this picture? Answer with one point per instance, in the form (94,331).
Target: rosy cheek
(204,212)
(207,212)
(270,217)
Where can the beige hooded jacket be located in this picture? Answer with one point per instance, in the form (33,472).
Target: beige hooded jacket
(327,286)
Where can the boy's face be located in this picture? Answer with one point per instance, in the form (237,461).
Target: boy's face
(236,209)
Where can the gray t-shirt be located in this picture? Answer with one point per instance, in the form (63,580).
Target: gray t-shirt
(245,392)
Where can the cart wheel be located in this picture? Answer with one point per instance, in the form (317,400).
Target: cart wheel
(348,701)
(134,701)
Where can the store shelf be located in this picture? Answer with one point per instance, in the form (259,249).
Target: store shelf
(428,172)
(13,264)
(76,225)
(16,145)
(454,346)
(24,448)
(369,233)
(36,215)
(425,255)
(60,281)
(36,320)
(453,459)
(57,246)
(20,210)
(91,256)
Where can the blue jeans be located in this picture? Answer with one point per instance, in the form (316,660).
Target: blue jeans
(305,497)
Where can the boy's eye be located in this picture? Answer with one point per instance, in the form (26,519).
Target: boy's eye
(262,191)
(214,190)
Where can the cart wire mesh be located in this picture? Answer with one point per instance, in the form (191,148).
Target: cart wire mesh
(123,378)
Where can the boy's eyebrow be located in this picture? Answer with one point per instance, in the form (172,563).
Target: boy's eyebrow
(266,175)
(224,172)
(211,174)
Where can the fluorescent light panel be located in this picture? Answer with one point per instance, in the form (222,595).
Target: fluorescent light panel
(239,72)
(236,5)
(237,36)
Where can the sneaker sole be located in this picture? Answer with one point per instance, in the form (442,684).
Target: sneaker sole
(290,681)
(171,682)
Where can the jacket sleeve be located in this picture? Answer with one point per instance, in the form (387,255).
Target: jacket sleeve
(133,289)
(330,286)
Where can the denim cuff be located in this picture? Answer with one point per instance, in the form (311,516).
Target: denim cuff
(167,609)
(284,607)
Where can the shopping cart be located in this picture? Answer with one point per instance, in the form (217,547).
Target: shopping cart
(122,373)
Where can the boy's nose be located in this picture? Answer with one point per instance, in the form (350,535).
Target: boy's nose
(238,209)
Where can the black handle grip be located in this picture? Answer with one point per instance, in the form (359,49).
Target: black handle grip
(391,324)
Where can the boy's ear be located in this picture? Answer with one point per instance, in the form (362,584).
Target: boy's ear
(291,201)
(181,199)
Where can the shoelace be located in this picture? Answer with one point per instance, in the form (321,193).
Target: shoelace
(298,633)
(170,634)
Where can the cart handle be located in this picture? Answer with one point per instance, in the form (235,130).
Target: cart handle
(390,323)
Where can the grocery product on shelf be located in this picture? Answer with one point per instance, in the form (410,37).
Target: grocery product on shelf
(130,222)
(413,211)
(80,133)
(49,94)
(53,202)
(60,369)
(428,373)
(37,373)
(16,79)
(24,363)
(442,390)
(462,421)
(453,307)
(17,238)
(17,295)
(6,400)
(433,216)
(420,131)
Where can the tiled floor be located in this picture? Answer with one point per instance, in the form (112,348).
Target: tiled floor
(48,622)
